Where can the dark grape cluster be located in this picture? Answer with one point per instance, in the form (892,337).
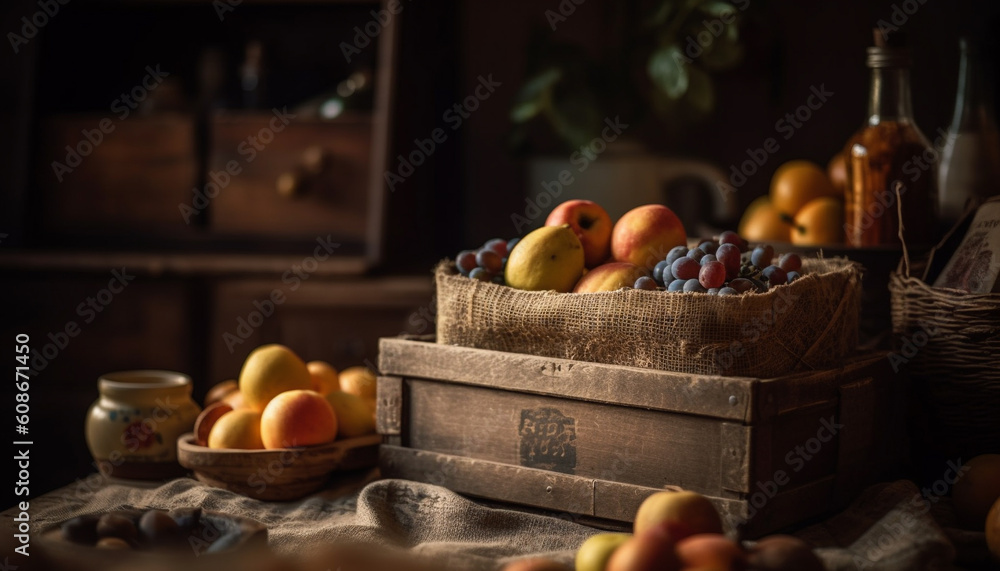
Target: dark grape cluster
(722,266)
(488,262)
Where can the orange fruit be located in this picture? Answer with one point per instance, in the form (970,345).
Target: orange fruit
(219,391)
(762,222)
(796,183)
(207,419)
(836,170)
(235,400)
(354,417)
(237,429)
(270,370)
(297,418)
(324,377)
(359,381)
(819,222)
(976,490)
(993,530)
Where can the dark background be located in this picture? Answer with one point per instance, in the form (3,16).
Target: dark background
(465,192)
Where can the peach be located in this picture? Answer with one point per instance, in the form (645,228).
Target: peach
(783,553)
(610,277)
(269,370)
(297,418)
(645,235)
(591,224)
(219,391)
(652,550)
(323,376)
(688,512)
(238,429)
(536,564)
(710,550)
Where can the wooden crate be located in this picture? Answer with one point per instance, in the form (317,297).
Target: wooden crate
(595,440)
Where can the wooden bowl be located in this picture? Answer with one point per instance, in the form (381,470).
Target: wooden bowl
(218,535)
(276,475)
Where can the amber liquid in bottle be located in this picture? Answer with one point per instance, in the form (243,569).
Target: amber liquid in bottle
(887,155)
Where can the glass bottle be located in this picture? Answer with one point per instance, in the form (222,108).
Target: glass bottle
(887,155)
(970,162)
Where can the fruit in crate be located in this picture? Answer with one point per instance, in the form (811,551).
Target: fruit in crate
(591,224)
(610,277)
(297,418)
(644,235)
(270,370)
(323,376)
(549,258)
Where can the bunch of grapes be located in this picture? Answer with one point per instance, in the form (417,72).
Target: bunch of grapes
(722,266)
(488,262)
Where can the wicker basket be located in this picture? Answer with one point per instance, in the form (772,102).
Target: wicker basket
(949,342)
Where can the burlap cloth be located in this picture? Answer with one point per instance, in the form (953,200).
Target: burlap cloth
(889,527)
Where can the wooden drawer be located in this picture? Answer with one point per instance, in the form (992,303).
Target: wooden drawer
(595,440)
(133,179)
(259,149)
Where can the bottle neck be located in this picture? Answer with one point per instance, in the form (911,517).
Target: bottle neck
(890,96)
(971,103)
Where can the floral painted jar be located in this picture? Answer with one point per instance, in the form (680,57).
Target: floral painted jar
(132,428)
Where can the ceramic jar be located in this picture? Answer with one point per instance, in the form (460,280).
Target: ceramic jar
(132,428)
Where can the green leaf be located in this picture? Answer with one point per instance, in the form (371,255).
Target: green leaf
(718,8)
(701,94)
(668,70)
(534,96)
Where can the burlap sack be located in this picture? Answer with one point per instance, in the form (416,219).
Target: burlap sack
(809,324)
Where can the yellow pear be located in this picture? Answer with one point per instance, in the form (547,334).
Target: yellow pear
(549,258)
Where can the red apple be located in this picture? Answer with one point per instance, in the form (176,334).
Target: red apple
(591,224)
(690,513)
(710,551)
(652,550)
(610,277)
(645,235)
